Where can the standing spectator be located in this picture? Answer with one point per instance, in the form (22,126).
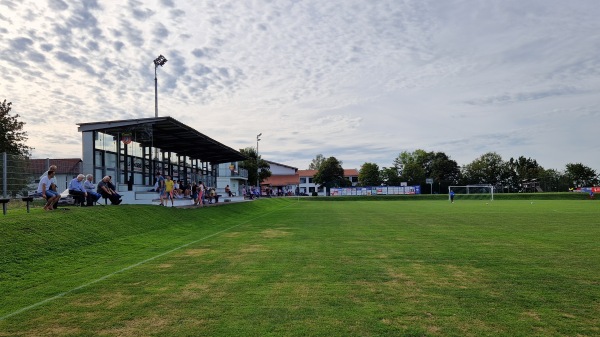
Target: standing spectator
(90,188)
(169,188)
(195,193)
(77,190)
(161,186)
(44,189)
(201,189)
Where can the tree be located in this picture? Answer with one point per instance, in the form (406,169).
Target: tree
(412,166)
(443,170)
(250,165)
(330,174)
(368,175)
(12,136)
(553,181)
(390,176)
(520,170)
(487,169)
(580,175)
(316,163)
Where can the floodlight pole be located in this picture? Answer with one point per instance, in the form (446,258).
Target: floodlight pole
(155,94)
(257,168)
(159,61)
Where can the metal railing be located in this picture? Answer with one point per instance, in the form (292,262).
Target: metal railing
(226,172)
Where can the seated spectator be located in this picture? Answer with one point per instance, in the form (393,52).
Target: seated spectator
(104,188)
(113,187)
(90,188)
(77,190)
(176,189)
(51,196)
(228,190)
(187,190)
(212,195)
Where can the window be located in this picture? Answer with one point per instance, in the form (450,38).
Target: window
(302,180)
(311,189)
(310,180)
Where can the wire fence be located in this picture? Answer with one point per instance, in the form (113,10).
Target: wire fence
(16,176)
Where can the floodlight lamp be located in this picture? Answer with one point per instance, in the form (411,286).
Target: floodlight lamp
(160,61)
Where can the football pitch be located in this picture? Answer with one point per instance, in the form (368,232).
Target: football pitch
(288,267)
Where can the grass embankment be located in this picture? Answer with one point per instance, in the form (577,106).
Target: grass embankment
(281,267)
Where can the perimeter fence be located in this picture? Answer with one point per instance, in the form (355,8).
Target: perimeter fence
(17,178)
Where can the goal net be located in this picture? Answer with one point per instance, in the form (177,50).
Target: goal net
(472,192)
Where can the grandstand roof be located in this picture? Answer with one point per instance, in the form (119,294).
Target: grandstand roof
(169,135)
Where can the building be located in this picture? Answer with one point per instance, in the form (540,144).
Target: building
(307,185)
(283,180)
(66,170)
(230,174)
(132,151)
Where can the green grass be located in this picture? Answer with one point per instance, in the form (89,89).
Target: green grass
(311,268)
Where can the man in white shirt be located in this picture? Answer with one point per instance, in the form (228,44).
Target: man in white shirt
(50,195)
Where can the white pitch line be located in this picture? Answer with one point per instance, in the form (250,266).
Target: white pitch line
(50,299)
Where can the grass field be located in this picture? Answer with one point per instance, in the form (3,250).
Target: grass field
(283,267)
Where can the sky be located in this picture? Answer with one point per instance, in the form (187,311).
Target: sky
(359,80)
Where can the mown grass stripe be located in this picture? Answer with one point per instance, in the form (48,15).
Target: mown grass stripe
(35,305)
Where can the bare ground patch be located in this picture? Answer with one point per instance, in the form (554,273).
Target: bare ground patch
(274,233)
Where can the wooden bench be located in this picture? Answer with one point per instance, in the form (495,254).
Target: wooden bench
(28,200)
(4,201)
(215,197)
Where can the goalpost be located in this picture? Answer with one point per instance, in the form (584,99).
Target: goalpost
(472,192)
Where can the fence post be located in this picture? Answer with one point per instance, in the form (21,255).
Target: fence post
(4,175)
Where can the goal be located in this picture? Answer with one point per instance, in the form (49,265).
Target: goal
(472,192)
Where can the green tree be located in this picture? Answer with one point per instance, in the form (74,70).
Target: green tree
(316,163)
(250,164)
(390,176)
(580,175)
(330,174)
(12,136)
(553,181)
(368,175)
(522,169)
(489,168)
(412,166)
(444,171)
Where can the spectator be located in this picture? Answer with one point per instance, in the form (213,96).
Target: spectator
(201,190)
(90,188)
(51,196)
(161,186)
(77,190)
(104,188)
(53,182)
(228,190)
(169,188)
(113,187)
(195,193)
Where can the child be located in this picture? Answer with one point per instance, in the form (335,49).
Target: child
(169,186)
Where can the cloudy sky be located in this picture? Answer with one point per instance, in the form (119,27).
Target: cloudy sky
(360,80)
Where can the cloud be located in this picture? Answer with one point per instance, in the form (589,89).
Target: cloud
(58,5)
(358,80)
